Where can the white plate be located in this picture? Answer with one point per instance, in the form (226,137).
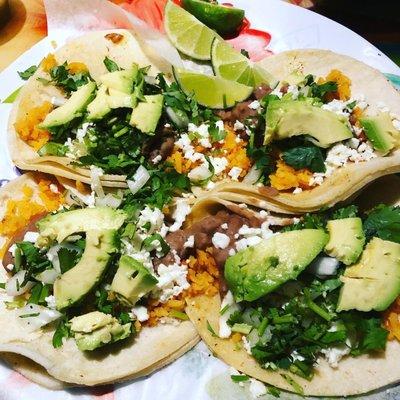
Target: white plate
(197,375)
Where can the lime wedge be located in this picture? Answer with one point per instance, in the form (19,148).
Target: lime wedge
(211,91)
(187,33)
(225,20)
(230,64)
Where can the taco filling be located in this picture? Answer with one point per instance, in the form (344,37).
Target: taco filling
(322,287)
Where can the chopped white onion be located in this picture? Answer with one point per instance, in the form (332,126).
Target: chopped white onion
(33,316)
(48,276)
(109,200)
(252,176)
(139,179)
(13,285)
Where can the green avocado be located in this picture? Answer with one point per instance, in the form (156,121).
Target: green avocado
(72,108)
(100,225)
(259,270)
(122,81)
(97,329)
(381,132)
(99,107)
(57,227)
(76,283)
(346,239)
(286,118)
(147,113)
(132,281)
(374,282)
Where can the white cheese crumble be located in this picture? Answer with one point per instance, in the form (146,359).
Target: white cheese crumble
(238,126)
(31,237)
(53,188)
(189,242)
(229,306)
(246,344)
(224,226)
(82,131)
(255,105)
(154,217)
(182,210)
(95,174)
(294,91)
(140,312)
(334,354)
(339,107)
(219,164)
(220,240)
(51,302)
(171,281)
(199,173)
(156,159)
(297,190)
(257,388)
(235,172)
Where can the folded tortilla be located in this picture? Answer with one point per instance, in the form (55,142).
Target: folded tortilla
(90,49)
(153,348)
(354,375)
(348,180)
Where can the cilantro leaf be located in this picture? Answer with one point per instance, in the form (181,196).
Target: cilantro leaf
(310,157)
(60,333)
(111,65)
(38,294)
(68,258)
(345,212)
(262,157)
(25,75)
(383,222)
(61,76)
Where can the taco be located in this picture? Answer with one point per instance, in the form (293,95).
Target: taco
(65,83)
(124,305)
(312,307)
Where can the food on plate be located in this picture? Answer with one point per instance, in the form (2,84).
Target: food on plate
(311,306)
(81,282)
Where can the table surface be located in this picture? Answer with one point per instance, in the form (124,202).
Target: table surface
(27,26)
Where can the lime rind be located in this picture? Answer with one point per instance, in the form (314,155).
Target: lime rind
(211,91)
(226,63)
(190,36)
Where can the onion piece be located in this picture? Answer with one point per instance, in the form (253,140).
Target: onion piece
(252,176)
(138,180)
(33,316)
(109,200)
(48,276)
(13,285)
(323,266)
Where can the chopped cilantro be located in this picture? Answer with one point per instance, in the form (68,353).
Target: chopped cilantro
(239,378)
(111,65)
(210,329)
(30,315)
(38,294)
(310,157)
(345,212)
(60,333)
(25,75)
(156,237)
(102,302)
(69,82)
(383,222)
(68,257)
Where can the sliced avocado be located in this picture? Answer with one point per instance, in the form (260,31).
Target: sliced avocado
(97,329)
(121,81)
(147,113)
(61,225)
(374,282)
(72,108)
(132,281)
(295,78)
(346,239)
(99,107)
(73,285)
(286,118)
(381,132)
(259,270)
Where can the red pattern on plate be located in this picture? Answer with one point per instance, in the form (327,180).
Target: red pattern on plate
(254,41)
(102,392)
(16,380)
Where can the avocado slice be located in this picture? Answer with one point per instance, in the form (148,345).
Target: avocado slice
(72,108)
(346,239)
(121,81)
(96,329)
(115,91)
(381,132)
(132,281)
(374,282)
(73,285)
(259,270)
(61,225)
(147,113)
(286,118)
